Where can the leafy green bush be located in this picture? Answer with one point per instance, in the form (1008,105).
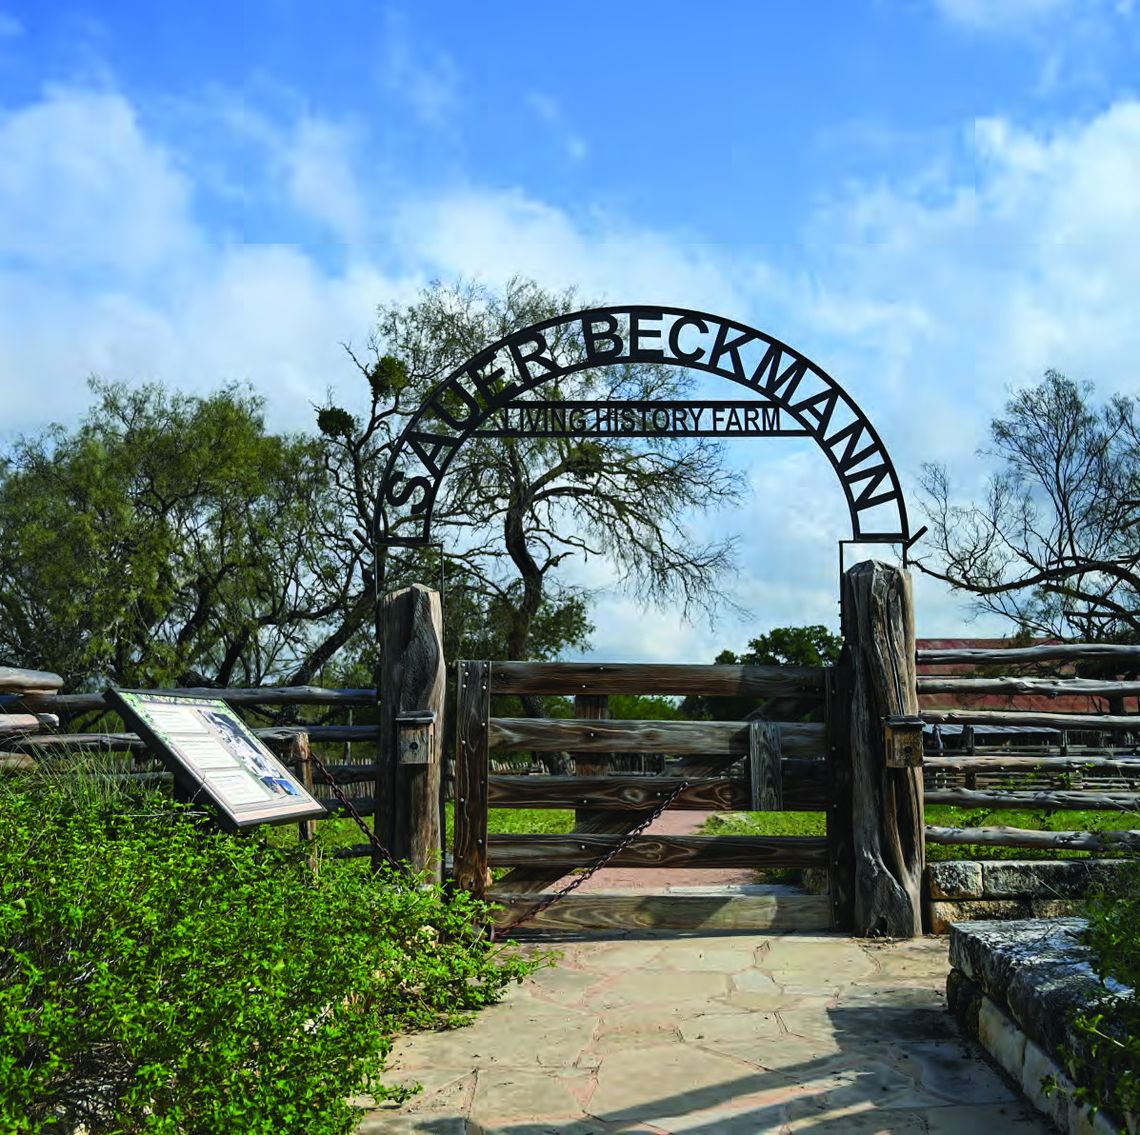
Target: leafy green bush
(1106,1060)
(156,977)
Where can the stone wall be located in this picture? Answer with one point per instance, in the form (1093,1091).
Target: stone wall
(1014,987)
(970,890)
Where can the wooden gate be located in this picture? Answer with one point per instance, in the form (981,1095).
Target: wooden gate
(728,765)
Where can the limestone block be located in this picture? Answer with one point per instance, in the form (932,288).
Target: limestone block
(1051,879)
(1038,1067)
(943,913)
(963,999)
(955,879)
(1044,997)
(1004,1041)
(991,952)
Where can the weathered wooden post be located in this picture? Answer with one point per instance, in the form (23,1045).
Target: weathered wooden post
(886,801)
(472,712)
(407,818)
(296,751)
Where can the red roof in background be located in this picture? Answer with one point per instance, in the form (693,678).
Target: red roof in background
(1042,703)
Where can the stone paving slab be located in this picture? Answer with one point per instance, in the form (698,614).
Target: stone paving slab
(714,1035)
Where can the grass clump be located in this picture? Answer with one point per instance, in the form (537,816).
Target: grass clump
(159,977)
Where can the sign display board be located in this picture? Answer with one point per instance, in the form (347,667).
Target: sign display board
(215,757)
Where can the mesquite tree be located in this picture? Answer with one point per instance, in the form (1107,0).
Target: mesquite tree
(1054,544)
(514,510)
(167,539)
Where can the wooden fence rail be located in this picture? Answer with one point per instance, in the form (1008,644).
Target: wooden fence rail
(1023,837)
(1055,652)
(1049,687)
(1047,800)
(131,742)
(1018,762)
(72,704)
(1032,718)
(1012,775)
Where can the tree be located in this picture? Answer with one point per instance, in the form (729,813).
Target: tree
(1053,544)
(165,540)
(514,510)
(782,646)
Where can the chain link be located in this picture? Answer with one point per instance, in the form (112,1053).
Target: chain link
(578,880)
(347,804)
(546,903)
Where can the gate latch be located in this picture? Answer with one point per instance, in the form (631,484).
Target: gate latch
(902,741)
(415,737)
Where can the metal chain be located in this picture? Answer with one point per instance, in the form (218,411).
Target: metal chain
(348,806)
(613,852)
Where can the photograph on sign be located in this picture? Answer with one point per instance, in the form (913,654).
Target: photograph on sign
(213,752)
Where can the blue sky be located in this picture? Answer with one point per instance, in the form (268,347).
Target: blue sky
(935,199)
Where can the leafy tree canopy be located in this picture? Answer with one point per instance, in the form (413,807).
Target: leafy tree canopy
(163,540)
(782,646)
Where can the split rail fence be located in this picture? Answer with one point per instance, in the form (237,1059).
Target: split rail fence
(872,790)
(38,719)
(1033,758)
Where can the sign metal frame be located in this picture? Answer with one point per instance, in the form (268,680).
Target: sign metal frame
(216,759)
(477,399)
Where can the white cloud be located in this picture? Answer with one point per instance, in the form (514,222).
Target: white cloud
(549,111)
(104,268)
(1011,14)
(82,189)
(494,235)
(322,181)
(988,14)
(427,80)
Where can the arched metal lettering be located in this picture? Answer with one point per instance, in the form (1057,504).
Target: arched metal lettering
(790,396)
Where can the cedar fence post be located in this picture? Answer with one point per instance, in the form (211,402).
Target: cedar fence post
(407,818)
(886,802)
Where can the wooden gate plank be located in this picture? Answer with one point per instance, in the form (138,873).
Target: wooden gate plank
(705,679)
(571,850)
(473,709)
(704,738)
(739,911)
(804,790)
(764,767)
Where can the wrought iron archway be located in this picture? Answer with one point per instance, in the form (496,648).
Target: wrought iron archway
(484,396)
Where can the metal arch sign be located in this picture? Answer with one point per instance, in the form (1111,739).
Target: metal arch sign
(790,397)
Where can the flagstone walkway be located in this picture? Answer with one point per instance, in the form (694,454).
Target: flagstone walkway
(731,1035)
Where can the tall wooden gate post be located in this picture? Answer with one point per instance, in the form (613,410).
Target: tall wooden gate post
(886,802)
(411,729)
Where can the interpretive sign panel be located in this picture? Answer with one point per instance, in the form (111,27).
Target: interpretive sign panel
(215,757)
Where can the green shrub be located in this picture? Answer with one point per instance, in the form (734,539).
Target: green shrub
(157,977)
(1106,1056)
